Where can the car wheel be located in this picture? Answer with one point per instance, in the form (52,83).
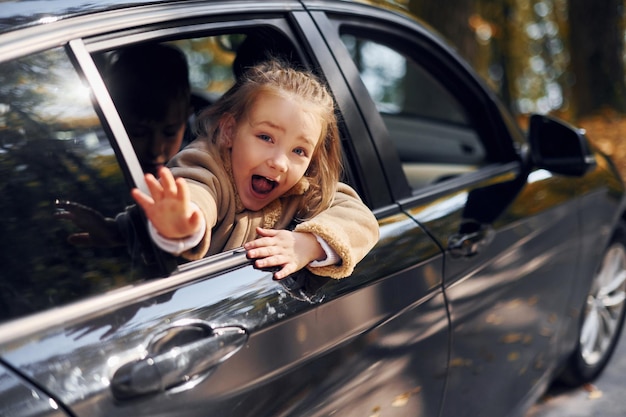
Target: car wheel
(603,315)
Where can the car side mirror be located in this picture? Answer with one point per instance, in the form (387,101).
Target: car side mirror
(559,147)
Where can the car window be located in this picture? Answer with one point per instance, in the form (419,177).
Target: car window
(52,147)
(428,125)
(216,61)
(210,62)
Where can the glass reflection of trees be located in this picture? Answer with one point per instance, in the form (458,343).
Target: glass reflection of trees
(52,147)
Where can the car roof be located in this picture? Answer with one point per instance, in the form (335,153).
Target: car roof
(16,14)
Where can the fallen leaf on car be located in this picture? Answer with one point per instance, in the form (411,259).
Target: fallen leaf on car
(375,412)
(402,399)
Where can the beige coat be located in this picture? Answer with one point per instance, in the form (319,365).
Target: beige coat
(348,226)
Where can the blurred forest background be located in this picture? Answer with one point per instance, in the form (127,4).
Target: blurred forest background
(560,57)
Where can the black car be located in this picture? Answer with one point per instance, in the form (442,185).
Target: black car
(501,263)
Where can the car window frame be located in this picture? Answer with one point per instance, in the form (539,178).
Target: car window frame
(356,144)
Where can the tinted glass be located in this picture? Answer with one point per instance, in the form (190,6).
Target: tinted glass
(52,147)
(398,85)
(434,137)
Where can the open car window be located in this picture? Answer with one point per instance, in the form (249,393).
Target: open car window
(215,61)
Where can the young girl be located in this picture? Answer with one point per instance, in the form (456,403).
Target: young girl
(267,156)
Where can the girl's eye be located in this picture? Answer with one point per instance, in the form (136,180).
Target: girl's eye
(300,152)
(266,138)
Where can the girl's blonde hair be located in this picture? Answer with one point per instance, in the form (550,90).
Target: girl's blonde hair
(276,77)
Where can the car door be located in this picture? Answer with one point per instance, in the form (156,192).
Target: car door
(20,398)
(450,157)
(106,333)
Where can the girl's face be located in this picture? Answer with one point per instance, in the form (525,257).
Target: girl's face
(271,148)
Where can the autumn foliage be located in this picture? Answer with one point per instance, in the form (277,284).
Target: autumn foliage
(607,130)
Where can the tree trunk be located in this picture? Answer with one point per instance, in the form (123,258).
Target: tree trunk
(596,48)
(450,19)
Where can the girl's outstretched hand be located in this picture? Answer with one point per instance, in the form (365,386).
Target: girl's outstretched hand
(290,250)
(168,207)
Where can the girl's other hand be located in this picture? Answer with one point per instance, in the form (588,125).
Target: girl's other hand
(168,207)
(290,250)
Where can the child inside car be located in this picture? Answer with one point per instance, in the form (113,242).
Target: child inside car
(263,173)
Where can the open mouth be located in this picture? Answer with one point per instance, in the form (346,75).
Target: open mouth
(262,185)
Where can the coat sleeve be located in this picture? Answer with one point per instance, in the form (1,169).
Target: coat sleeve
(202,173)
(349,227)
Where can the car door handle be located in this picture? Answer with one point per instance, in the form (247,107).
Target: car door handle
(186,352)
(470,244)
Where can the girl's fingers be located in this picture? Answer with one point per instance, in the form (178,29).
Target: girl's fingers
(182,189)
(267,232)
(156,191)
(267,239)
(259,251)
(144,200)
(166,186)
(287,268)
(270,261)
(166,179)
(285,271)
(263,242)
